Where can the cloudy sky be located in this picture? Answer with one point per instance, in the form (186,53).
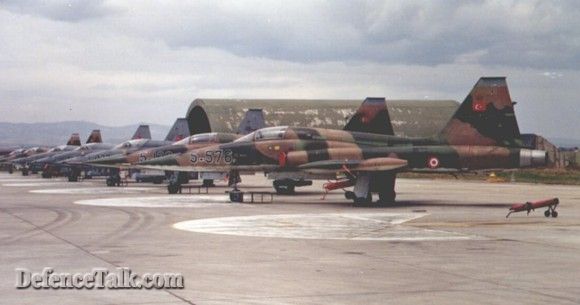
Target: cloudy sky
(122,62)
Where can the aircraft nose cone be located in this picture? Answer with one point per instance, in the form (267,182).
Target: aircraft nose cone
(114,159)
(75,160)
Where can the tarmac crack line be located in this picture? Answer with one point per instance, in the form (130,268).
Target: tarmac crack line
(82,249)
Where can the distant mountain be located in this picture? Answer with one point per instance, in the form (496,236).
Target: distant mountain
(59,132)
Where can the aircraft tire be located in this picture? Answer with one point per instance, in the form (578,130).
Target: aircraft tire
(554,214)
(237,196)
(387,197)
(208,183)
(172,188)
(363,201)
(547,213)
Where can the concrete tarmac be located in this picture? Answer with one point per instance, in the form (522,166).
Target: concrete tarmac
(444,242)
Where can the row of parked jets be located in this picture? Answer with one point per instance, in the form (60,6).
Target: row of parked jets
(366,155)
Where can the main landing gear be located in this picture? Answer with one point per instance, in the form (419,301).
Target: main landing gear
(114,180)
(176,180)
(366,184)
(235,194)
(74,174)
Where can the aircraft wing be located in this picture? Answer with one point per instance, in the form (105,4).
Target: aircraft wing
(368,165)
(209,168)
(118,165)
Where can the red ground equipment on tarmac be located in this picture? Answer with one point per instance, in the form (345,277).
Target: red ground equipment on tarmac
(530,206)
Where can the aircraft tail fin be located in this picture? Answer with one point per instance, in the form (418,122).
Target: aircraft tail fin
(252,121)
(75,140)
(142,132)
(371,117)
(486,117)
(95,137)
(178,131)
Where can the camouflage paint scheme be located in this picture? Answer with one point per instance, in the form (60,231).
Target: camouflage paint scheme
(73,143)
(189,143)
(482,134)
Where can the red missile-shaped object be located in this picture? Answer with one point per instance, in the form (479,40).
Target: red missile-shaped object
(340,184)
(551,203)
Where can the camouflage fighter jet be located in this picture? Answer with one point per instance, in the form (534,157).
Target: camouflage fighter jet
(253,120)
(482,134)
(73,143)
(50,166)
(141,140)
(372,116)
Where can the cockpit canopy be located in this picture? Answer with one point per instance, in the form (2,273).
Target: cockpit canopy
(265,134)
(198,138)
(131,143)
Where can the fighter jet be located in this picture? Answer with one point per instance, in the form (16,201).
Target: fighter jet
(372,116)
(253,120)
(482,134)
(141,140)
(73,143)
(50,166)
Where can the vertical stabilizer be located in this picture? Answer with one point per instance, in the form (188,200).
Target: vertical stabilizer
(178,131)
(75,140)
(486,117)
(142,132)
(95,137)
(252,121)
(371,117)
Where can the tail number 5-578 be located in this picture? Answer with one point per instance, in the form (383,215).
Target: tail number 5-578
(213,157)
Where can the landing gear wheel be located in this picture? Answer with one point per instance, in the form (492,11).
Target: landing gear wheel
(208,183)
(110,181)
(349,195)
(173,188)
(547,213)
(237,196)
(554,214)
(387,197)
(73,178)
(363,201)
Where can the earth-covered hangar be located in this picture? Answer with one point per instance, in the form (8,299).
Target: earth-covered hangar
(411,118)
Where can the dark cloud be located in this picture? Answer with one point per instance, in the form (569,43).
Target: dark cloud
(59,10)
(538,34)
(120,62)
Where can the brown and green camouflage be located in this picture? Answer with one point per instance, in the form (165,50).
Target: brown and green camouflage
(482,134)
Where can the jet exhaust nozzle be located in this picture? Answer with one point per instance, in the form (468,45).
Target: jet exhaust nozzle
(533,158)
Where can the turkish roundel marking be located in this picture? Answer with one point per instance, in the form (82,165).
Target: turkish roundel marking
(433,162)
(479,106)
